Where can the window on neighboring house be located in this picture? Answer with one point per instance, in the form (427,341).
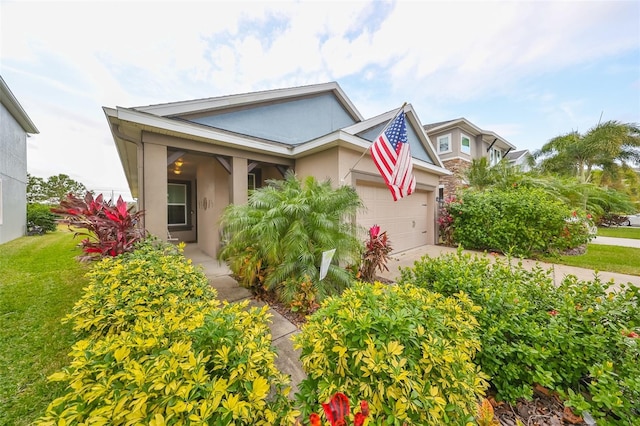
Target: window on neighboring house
(444,143)
(465,144)
(177,204)
(495,155)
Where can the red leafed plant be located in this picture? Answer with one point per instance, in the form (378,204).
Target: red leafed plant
(111,229)
(376,254)
(337,412)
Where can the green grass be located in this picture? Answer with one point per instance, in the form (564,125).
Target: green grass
(40,281)
(623,260)
(620,232)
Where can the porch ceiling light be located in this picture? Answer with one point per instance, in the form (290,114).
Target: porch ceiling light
(177,172)
(179,163)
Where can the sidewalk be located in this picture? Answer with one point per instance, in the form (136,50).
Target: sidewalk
(611,241)
(408,258)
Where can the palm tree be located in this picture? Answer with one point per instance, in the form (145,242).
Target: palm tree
(278,237)
(609,146)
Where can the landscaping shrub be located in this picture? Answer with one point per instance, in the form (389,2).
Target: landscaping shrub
(563,338)
(406,351)
(157,349)
(110,229)
(282,231)
(376,254)
(40,215)
(517,221)
(154,280)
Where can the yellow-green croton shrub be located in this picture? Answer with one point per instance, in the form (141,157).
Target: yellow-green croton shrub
(185,359)
(407,351)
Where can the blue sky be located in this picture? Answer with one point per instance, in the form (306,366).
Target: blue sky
(528,71)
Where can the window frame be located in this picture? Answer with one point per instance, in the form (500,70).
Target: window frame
(448,136)
(462,137)
(495,155)
(187,206)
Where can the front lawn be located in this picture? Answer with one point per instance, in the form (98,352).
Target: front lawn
(623,260)
(40,280)
(620,232)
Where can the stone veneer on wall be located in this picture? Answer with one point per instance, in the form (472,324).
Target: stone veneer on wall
(451,183)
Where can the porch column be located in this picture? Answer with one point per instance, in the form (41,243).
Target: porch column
(207,215)
(239,181)
(155,189)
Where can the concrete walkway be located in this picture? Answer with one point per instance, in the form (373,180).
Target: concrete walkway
(219,275)
(288,360)
(623,242)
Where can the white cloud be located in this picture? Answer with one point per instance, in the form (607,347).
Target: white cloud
(437,55)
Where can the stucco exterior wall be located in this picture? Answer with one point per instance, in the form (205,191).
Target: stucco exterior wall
(323,165)
(13,178)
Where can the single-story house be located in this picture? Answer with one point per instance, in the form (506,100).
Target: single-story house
(186,161)
(16,125)
(458,142)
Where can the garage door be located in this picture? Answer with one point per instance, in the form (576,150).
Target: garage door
(404,220)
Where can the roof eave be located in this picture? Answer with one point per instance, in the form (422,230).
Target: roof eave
(216,103)
(12,105)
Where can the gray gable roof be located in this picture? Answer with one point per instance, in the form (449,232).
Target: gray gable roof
(289,116)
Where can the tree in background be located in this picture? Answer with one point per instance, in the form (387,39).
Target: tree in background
(591,197)
(52,190)
(611,146)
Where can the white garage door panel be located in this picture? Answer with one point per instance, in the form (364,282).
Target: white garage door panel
(404,220)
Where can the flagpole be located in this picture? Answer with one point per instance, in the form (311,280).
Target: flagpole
(383,130)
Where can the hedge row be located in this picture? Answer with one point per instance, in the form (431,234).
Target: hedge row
(156,347)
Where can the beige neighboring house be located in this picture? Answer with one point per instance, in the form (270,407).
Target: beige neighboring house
(458,142)
(186,161)
(15,126)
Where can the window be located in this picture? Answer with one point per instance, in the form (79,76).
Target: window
(441,193)
(495,155)
(444,143)
(252,181)
(177,204)
(465,144)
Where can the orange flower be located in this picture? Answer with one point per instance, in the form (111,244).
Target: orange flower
(315,419)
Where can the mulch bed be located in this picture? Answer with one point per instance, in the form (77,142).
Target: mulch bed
(545,409)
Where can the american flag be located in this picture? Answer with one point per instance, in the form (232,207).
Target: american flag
(390,153)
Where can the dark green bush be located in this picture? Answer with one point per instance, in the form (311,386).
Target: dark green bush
(407,351)
(278,237)
(517,221)
(41,215)
(562,337)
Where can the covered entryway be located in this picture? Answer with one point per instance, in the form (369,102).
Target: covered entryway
(406,220)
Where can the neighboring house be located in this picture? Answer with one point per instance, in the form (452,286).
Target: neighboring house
(15,124)
(458,142)
(520,159)
(186,161)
